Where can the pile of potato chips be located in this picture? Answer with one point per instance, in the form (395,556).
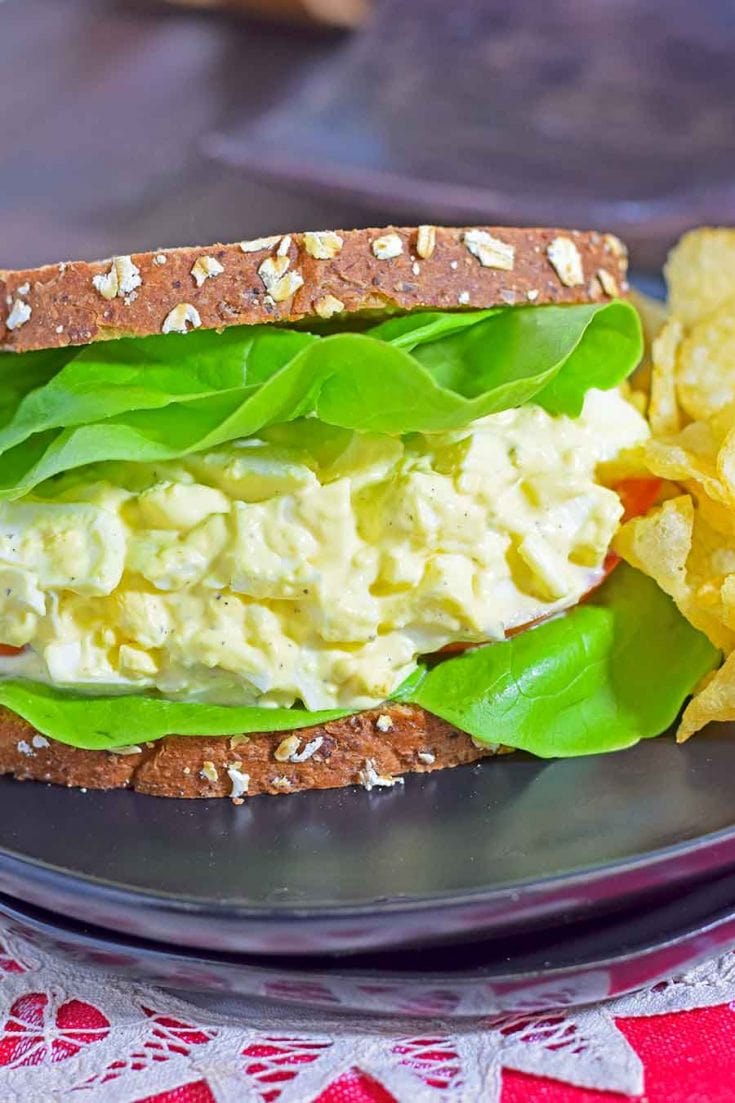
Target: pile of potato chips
(687,544)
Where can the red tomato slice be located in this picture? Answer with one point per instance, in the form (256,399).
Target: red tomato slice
(637,496)
(6,649)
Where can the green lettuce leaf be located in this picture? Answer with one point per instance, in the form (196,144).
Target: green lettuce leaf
(103,380)
(21,375)
(614,670)
(103,723)
(160,398)
(610,672)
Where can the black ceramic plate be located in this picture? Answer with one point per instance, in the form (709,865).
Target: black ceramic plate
(562,966)
(460,854)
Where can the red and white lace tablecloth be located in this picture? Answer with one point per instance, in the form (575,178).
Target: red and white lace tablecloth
(71,1034)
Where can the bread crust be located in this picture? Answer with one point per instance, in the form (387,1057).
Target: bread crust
(378,744)
(436,268)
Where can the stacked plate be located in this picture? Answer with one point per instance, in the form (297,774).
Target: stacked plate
(514,884)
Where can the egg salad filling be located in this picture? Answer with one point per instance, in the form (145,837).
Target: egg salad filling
(267,529)
(310,564)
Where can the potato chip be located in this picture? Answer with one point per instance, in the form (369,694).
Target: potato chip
(687,544)
(700,273)
(663,409)
(705,372)
(710,565)
(689,457)
(727,592)
(726,462)
(688,559)
(719,517)
(714,701)
(659,544)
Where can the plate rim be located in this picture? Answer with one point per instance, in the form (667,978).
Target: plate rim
(711,933)
(661,858)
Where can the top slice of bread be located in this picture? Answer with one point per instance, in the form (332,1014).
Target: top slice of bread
(293,277)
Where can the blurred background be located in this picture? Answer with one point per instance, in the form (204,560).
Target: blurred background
(127,125)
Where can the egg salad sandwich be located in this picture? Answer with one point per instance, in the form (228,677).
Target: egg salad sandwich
(322,509)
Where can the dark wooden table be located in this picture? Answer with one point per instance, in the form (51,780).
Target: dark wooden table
(104,108)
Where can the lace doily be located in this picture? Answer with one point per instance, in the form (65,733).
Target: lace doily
(68,1033)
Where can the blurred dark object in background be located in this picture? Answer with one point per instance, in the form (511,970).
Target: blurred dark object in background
(338,13)
(105,104)
(612,113)
(129,124)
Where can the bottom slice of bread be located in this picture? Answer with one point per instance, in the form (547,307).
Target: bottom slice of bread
(370,749)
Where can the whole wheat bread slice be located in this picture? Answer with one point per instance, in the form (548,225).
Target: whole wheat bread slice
(293,277)
(369,749)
